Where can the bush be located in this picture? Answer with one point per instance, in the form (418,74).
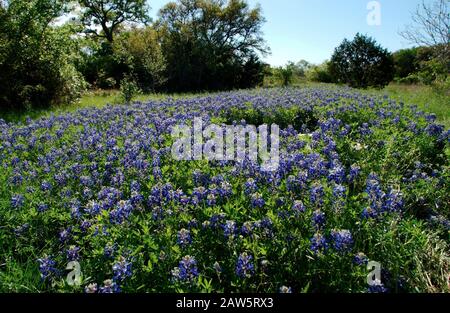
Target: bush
(320,73)
(362,63)
(141,53)
(38,66)
(128,89)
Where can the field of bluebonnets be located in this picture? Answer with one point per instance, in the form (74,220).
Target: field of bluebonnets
(361,179)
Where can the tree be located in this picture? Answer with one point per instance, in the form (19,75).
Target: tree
(362,63)
(431,24)
(207,44)
(36,58)
(285,74)
(140,51)
(320,73)
(405,62)
(110,14)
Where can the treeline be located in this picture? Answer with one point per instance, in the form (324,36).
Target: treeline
(52,50)
(363,63)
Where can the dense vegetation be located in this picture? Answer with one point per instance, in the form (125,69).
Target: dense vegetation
(363,174)
(193,45)
(361,178)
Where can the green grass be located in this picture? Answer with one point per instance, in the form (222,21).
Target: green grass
(425,97)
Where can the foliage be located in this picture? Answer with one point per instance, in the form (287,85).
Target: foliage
(128,89)
(419,65)
(37,59)
(362,63)
(140,50)
(320,73)
(209,45)
(109,15)
(285,74)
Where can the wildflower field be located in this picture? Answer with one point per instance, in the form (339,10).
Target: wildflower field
(361,179)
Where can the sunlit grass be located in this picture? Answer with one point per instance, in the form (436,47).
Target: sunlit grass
(425,97)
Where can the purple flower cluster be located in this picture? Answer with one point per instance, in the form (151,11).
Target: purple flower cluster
(244,265)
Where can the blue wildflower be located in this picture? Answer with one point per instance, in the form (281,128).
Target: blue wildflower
(318,243)
(73,253)
(318,219)
(184,238)
(342,240)
(47,267)
(360,259)
(187,269)
(122,270)
(244,265)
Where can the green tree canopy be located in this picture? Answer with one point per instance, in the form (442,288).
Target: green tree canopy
(362,63)
(108,15)
(208,44)
(36,58)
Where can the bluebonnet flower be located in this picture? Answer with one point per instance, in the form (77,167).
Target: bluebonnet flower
(342,240)
(200,193)
(91,288)
(257,200)
(65,235)
(354,172)
(200,179)
(434,130)
(360,259)
(187,269)
(318,219)
(17,201)
(211,200)
(225,189)
(250,186)
(121,213)
(284,289)
(393,201)
(46,186)
(93,208)
(73,253)
(229,229)
(84,226)
(377,287)
(339,191)
(244,265)
(135,186)
(21,229)
(298,206)
(122,270)
(247,228)
(109,250)
(109,287)
(369,213)
(47,267)
(318,243)
(316,194)
(365,130)
(184,237)
(136,198)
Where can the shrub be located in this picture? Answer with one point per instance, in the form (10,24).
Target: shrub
(128,89)
(362,63)
(38,66)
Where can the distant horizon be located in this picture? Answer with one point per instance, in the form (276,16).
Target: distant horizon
(303,30)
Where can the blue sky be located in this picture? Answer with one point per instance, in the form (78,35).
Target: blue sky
(311,29)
